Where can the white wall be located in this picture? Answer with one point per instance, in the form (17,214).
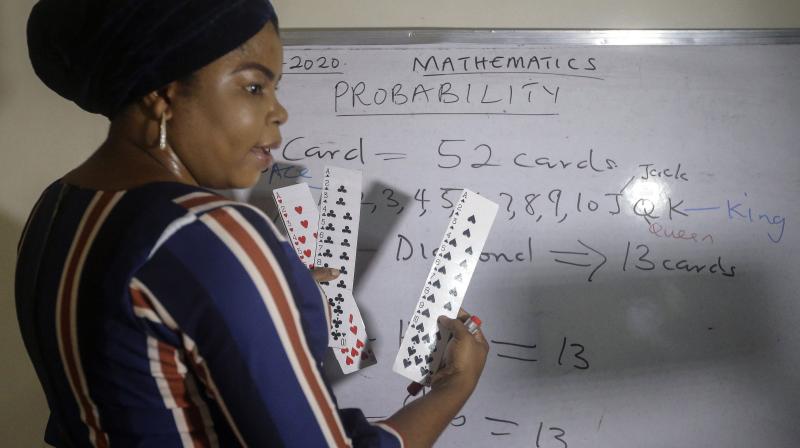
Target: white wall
(43,136)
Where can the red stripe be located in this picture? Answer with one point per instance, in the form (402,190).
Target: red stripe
(177,387)
(66,318)
(201,200)
(282,303)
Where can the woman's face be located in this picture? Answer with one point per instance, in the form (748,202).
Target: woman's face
(226,120)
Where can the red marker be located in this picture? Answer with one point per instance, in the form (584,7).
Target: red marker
(473,325)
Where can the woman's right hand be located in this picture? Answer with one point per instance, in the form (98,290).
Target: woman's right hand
(465,354)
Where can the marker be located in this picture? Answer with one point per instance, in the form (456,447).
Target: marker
(473,324)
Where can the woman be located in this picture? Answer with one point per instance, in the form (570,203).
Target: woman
(157,313)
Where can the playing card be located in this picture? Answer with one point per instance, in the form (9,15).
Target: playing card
(340,211)
(300,217)
(458,255)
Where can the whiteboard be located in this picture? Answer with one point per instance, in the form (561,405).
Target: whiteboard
(639,287)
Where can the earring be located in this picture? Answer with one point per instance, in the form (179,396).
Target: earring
(162,141)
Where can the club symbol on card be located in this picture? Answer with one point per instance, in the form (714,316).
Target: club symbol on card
(346,243)
(336,335)
(347,217)
(330,227)
(463,264)
(453,292)
(327,253)
(344,256)
(343,270)
(304,223)
(340,201)
(411,351)
(449,307)
(341,189)
(339,298)
(336,322)
(328,240)
(447,256)
(467,233)
(331,214)
(341,284)
(452,242)
(406,363)
(471,219)
(299,210)
(415,339)
(458,278)
(338,310)
(347,229)
(431,298)
(469,250)
(442,270)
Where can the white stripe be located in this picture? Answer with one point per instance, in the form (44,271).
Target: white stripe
(198,209)
(158,373)
(73,305)
(391,431)
(172,229)
(146,313)
(164,317)
(190,196)
(266,296)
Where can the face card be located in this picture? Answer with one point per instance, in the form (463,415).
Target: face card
(300,217)
(456,258)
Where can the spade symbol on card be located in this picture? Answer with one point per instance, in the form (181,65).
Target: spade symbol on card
(469,250)
(467,233)
(453,242)
(453,292)
(429,359)
(426,313)
(420,327)
(342,189)
(347,217)
(449,307)
(431,298)
(415,339)
(442,270)
(426,338)
(471,219)
(411,351)
(436,284)
(447,256)
(423,371)
(346,229)
(418,360)
(458,278)
(406,363)
(340,202)
(463,264)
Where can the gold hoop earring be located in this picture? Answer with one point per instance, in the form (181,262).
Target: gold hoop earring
(162,140)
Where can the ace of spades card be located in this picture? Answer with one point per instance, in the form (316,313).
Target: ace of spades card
(340,211)
(423,344)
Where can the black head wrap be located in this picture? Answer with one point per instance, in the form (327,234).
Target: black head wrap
(105,54)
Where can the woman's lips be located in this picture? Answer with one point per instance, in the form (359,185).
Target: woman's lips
(262,154)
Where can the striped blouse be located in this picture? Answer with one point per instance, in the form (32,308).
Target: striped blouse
(167,315)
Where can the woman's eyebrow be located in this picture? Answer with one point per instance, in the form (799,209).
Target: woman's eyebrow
(256,66)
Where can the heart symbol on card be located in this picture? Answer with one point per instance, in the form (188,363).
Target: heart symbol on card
(359,343)
(307,252)
(304,223)
(302,239)
(350,319)
(280,201)
(344,350)
(285,215)
(349,361)
(353,352)
(471,219)
(354,329)
(315,234)
(298,209)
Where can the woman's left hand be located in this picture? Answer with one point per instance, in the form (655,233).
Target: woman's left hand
(324,274)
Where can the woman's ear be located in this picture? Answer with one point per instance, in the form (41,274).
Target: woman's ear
(160,101)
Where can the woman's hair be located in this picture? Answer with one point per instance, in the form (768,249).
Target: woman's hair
(106,54)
